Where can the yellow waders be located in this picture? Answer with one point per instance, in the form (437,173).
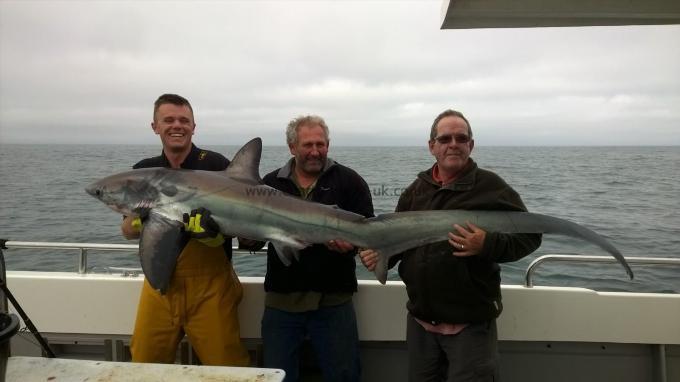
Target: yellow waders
(202,302)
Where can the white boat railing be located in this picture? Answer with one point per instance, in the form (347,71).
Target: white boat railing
(83,249)
(531,268)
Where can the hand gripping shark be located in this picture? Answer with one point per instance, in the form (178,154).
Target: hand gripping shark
(245,207)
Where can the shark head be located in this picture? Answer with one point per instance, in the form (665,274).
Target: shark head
(133,192)
(138,191)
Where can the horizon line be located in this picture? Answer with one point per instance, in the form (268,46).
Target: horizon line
(345,145)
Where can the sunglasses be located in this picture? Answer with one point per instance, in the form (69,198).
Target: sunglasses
(447,138)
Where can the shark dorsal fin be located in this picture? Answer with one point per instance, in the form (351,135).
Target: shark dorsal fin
(246,163)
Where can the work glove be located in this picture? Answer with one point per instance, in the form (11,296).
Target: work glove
(137,223)
(203,227)
(139,220)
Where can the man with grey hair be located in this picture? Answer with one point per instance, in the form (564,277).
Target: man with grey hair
(313,296)
(454,286)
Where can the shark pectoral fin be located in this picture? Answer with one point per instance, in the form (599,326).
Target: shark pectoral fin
(161,242)
(287,248)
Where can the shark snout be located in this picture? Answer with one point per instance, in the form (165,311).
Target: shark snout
(94,189)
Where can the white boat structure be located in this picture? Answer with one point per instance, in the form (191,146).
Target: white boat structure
(545,333)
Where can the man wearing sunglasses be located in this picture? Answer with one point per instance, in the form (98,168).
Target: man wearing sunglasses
(454,287)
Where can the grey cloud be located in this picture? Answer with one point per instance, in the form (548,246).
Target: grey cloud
(378,71)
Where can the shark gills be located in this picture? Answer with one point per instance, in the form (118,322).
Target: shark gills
(245,207)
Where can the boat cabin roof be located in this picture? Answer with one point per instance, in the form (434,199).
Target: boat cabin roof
(465,14)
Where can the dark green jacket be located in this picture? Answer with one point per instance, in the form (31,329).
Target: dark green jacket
(445,288)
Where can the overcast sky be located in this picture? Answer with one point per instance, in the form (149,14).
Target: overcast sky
(378,72)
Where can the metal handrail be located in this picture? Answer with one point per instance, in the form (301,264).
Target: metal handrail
(84,247)
(528,276)
(531,268)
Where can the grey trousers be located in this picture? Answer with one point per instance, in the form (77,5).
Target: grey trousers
(471,355)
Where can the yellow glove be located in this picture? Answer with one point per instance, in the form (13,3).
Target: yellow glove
(137,223)
(203,227)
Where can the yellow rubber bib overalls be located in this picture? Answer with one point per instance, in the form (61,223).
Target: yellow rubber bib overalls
(202,302)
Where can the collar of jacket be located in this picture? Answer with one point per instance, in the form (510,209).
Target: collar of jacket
(286,171)
(193,157)
(464,183)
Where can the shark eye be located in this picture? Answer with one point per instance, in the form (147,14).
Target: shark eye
(169,190)
(98,192)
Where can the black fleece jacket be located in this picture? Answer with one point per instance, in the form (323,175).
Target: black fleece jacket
(319,269)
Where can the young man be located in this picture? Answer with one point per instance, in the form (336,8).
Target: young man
(204,292)
(313,297)
(454,287)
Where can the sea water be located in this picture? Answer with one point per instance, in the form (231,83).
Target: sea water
(630,195)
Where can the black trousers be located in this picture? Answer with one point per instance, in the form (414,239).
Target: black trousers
(471,355)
